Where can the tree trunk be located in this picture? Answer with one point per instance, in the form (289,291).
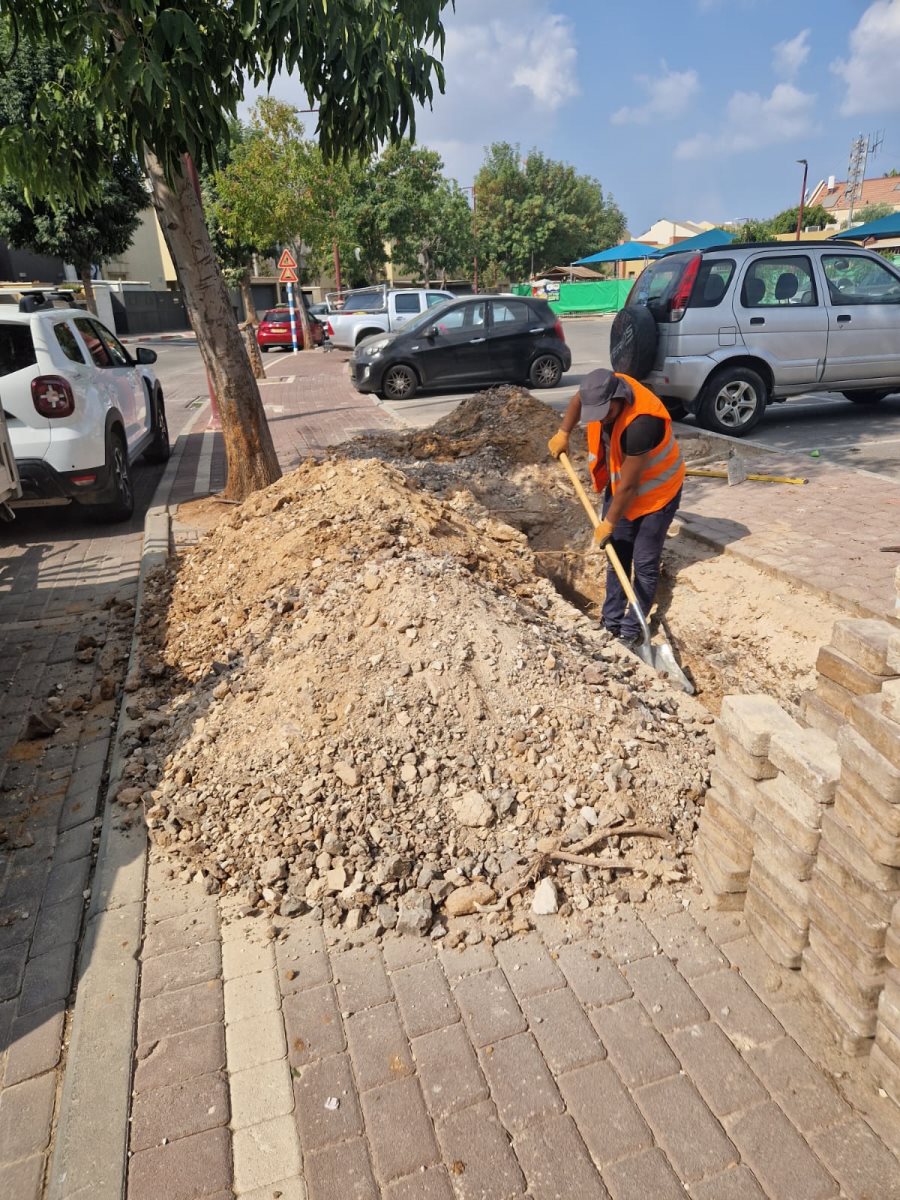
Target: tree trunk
(249,450)
(84,274)
(250,313)
(248,333)
(303,315)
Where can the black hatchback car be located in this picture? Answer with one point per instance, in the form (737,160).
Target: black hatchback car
(474,341)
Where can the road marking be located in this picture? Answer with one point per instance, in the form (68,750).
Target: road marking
(204,466)
(278,379)
(274,410)
(825,447)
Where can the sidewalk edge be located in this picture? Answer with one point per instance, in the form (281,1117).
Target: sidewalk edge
(90,1153)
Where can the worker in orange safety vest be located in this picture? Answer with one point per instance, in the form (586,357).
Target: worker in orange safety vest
(635,461)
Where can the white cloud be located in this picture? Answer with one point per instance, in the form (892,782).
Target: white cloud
(753,121)
(547,59)
(788,57)
(668,96)
(871,73)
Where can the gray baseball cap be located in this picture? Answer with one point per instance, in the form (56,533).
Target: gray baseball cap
(598,390)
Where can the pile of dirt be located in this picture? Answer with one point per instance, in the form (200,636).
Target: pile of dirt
(364,700)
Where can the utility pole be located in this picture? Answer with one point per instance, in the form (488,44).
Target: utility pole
(802,197)
(862,148)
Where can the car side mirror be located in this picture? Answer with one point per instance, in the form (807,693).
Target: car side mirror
(433,332)
(145,356)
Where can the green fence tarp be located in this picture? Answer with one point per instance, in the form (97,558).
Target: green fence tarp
(604,296)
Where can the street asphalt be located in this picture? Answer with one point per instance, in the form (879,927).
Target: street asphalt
(842,433)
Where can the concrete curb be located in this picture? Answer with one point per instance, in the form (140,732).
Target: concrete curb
(90,1153)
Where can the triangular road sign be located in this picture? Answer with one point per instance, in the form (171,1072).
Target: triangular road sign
(287,260)
(288,275)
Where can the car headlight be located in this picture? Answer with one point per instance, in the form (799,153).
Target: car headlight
(373,349)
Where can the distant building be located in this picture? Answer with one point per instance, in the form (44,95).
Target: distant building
(147,259)
(21,266)
(665,232)
(832,194)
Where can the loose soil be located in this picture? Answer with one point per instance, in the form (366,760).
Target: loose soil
(378,691)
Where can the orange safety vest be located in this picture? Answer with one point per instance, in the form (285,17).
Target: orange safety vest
(663,472)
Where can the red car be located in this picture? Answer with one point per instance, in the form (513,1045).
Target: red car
(275,330)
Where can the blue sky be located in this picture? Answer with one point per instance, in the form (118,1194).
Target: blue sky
(694,110)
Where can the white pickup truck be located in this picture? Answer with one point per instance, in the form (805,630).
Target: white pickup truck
(368,311)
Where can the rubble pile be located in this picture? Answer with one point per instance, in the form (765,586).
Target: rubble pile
(358,701)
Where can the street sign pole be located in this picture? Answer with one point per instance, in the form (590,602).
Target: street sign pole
(290,292)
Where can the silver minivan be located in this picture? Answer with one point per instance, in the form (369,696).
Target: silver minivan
(723,332)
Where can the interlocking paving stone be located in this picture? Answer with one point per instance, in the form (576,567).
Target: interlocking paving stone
(636,1049)
(666,997)
(400,1134)
(22,1180)
(624,937)
(341,1172)
(260,1094)
(58,925)
(733,1003)
(166,1061)
(565,1035)
(737,1183)
(35,1044)
(488,1006)
(403,950)
(255,1041)
(25,1113)
(12,968)
(424,998)
(312,1021)
(805,1093)
(466,960)
(722,1077)
(242,957)
(646,1176)
(528,966)
(169,1113)
(448,1071)
(859,1161)
(779,1157)
(176,1012)
(65,880)
(302,959)
(604,1112)
(180,932)
(319,1084)
(520,1083)
(361,978)
(477,1151)
(378,1047)
(595,980)
(47,978)
(265,1153)
(181,968)
(432,1184)
(694,1141)
(686,944)
(556,1162)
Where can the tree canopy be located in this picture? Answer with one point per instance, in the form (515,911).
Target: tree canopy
(535,211)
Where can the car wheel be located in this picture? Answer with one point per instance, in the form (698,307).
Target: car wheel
(120,506)
(733,401)
(159,450)
(264,349)
(545,372)
(872,396)
(633,339)
(399,383)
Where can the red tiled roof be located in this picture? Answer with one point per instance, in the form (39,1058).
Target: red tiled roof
(874,191)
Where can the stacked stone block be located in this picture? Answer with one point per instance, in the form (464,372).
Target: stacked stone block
(787,829)
(855,664)
(855,882)
(723,850)
(886,1051)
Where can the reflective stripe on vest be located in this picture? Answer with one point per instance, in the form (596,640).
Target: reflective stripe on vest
(663,470)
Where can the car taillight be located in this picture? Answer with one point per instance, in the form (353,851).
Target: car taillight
(682,294)
(52,396)
(559,332)
(330,330)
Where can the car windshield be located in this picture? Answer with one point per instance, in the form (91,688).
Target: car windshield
(428,318)
(277,316)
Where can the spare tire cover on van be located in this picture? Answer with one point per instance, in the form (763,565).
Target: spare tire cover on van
(632,342)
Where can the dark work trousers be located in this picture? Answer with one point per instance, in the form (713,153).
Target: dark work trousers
(639,545)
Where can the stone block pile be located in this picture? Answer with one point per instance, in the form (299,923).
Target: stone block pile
(854,664)
(855,882)
(886,1051)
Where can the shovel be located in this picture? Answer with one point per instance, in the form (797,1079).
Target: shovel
(661,658)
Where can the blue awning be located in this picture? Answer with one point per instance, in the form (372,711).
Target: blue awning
(884,227)
(627,252)
(702,241)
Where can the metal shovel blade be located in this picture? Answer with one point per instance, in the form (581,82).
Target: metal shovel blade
(662,660)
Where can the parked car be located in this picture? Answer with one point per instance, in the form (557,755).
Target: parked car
(475,341)
(79,408)
(274,330)
(378,310)
(723,332)
(10,485)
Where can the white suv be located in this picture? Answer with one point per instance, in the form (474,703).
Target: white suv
(78,407)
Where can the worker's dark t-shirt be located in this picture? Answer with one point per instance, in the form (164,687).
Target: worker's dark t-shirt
(643,434)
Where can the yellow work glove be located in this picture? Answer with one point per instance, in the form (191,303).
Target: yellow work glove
(603,533)
(559,444)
